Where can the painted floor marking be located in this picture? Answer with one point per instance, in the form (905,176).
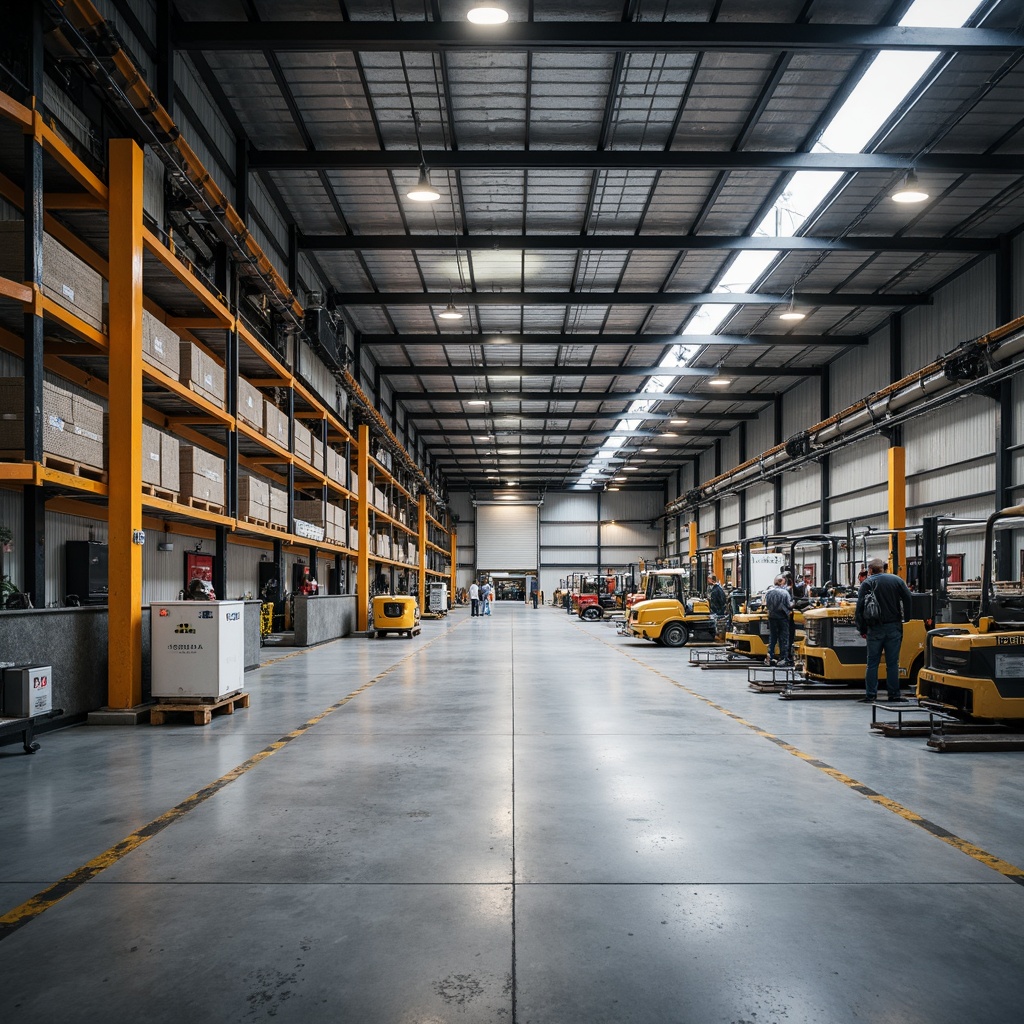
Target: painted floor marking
(1005,868)
(28,911)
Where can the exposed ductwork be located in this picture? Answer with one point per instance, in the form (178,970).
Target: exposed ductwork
(969,367)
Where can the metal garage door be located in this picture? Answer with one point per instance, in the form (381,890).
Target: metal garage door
(507,537)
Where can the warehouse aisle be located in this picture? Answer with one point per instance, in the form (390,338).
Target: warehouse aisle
(520,818)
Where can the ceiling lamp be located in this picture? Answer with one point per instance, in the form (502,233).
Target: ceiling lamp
(910,190)
(487,14)
(679,423)
(650,451)
(450,312)
(423,191)
(471,401)
(720,382)
(668,433)
(791,312)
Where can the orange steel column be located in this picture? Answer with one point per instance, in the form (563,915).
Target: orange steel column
(124,598)
(693,538)
(423,552)
(451,564)
(717,565)
(898,510)
(363,528)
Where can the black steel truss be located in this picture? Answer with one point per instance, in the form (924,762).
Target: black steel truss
(490,340)
(598,370)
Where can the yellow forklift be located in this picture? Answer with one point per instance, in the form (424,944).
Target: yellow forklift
(978,673)
(748,636)
(671,613)
(835,654)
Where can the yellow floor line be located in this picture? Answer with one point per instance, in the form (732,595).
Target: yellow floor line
(1004,868)
(53,894)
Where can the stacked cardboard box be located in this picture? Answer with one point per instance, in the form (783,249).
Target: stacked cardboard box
(278,506)
(318,454)
(68,280)
(303,446)
(335,466)
(202,474)
(160,459)
(203,374)
(312,511)
(275,424)
(72,426)
(250,404)
(170,463)
(150,455)
(254,497)
(160,345)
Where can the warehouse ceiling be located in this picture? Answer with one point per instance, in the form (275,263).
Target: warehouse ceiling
(612,177)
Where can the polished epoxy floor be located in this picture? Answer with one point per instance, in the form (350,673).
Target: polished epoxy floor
(521,818)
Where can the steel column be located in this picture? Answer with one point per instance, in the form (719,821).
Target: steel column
(220,562)
(422,540)
(1004,553)
(898,510)
(363,526)
(124,621)
(777,480)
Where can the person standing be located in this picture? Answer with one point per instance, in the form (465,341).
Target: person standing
(779,602)
(485,596)
(533,590)
(474,599)
(884,631)
(718,601)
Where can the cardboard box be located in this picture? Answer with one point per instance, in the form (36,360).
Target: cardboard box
(170,469)
(201,373)
(151,455)
(278,506)
(202,474)
(254,497)
(250,404)
(318,453)
(303,446)
(335,466)
(312,511)
(68,280)
(160,345)
(275,424)
(72,426)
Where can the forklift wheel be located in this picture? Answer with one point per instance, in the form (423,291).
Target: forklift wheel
(675,634)
(591,614)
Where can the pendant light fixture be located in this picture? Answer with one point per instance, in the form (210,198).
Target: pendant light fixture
(791,312)
(423,191)
(487,14)
(450,312)
(909,190)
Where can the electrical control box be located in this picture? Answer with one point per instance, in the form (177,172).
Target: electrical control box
(198,648)
(27,690)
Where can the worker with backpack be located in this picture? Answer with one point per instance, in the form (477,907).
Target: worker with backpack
(884,603)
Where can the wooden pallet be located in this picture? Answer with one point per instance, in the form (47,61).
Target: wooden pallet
(201,712)
(62,465)
(278,527)
(255,521)
(203,506)
(159,492)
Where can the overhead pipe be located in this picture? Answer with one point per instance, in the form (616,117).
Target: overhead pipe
(100,41)
(965,369)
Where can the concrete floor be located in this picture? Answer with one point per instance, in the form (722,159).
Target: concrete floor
(521,818)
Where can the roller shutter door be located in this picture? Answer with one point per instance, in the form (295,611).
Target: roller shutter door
(506,537)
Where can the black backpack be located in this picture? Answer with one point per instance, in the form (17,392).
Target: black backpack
(871,610)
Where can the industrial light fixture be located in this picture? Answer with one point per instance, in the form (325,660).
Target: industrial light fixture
(487,14)
(423,191)
(720,382)
(630,469)
(450,313)
(909,190)
(649,451)
(791,312)
(609,488)
(472,401)
(668,433)
(679,423)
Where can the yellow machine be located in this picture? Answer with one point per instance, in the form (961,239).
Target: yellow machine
(749,634)
(393,613)
(981,674)
(668,615)
(835,652)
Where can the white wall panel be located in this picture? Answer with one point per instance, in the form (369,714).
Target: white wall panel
(637,537)
(860,372)
(760,509)
(187,79)
(866,507)
(802,487)
(962,310)
(941,488)
(575,535)
(761,433)
(730,516)
(570,507)
(800,407)
(859,467)
(629,504)
(582,559)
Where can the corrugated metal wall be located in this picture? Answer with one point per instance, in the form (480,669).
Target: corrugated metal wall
(220,161)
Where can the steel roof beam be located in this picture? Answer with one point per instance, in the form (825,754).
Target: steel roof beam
(599,370)
(543,417)
(502,437)
(640,243)
(423,36)
(554,298)
(627,160)
(662,340)
(591,396)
